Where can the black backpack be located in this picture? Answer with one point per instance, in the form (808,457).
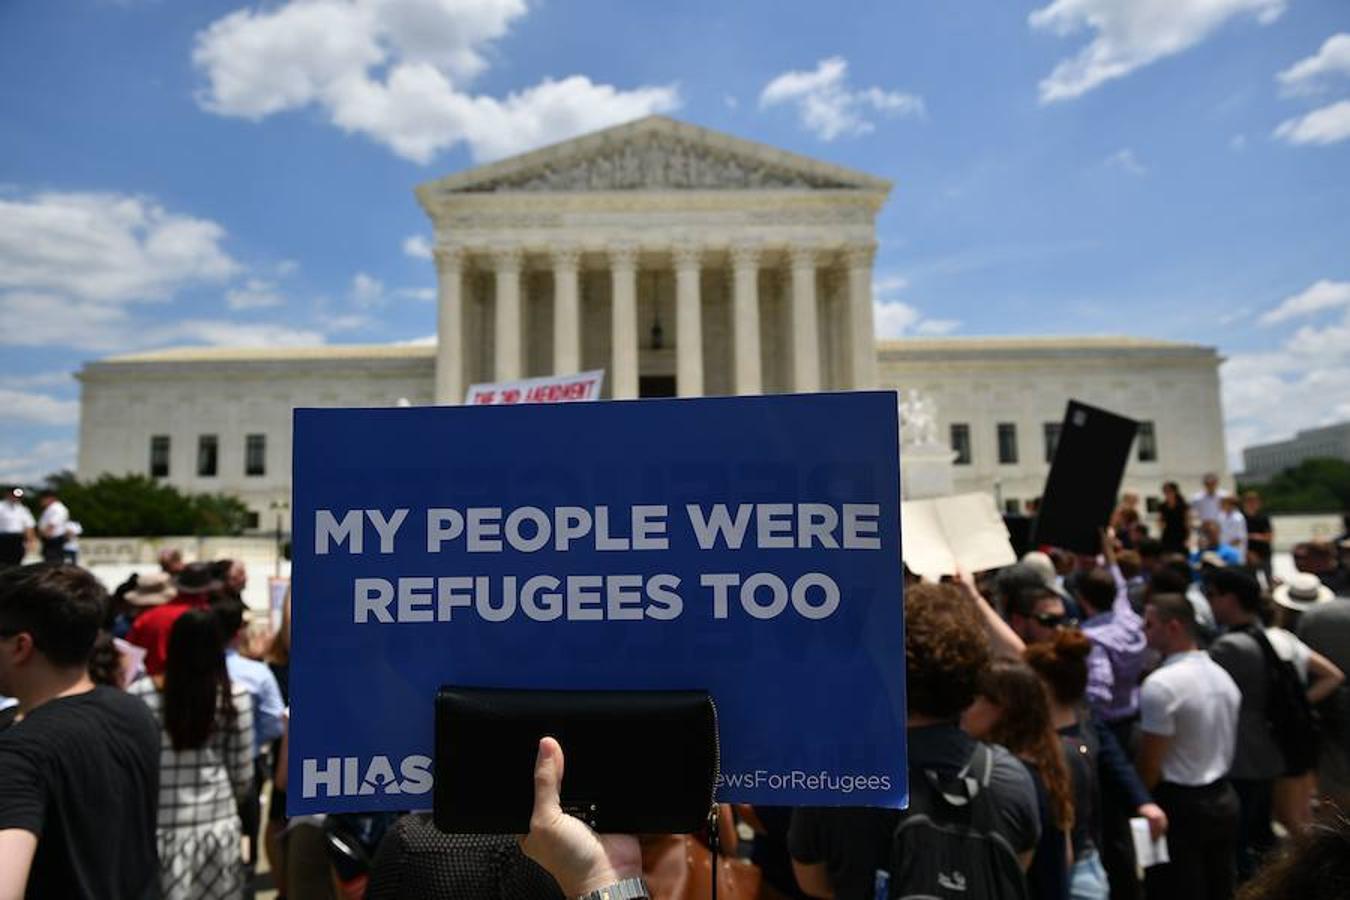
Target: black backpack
(948,844)
(1293,722)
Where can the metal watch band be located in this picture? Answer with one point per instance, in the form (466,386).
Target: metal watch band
(624,889)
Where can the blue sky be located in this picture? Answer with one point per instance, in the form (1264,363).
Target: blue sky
(217,173)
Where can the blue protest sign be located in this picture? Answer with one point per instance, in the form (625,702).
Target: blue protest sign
(749,546)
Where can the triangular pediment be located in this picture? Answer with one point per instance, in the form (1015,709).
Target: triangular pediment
(655,153)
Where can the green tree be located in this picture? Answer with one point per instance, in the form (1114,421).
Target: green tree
(139,506)
(1314,485)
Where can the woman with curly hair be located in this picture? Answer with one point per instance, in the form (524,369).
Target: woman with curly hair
(1012,709)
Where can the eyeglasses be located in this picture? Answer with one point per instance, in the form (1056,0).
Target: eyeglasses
(1055,620)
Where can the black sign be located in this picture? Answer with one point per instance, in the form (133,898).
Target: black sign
(1080,491)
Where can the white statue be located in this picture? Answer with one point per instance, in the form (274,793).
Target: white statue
(918,419)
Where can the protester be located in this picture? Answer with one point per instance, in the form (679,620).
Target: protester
(1236,599)
(151,628)
(1296,790)
(1035,610)
(171,561)
(1114,792)
(279,662)
(1012,709)
(79,772)
(1211,550)
(16,528)
(1117,633)
(1324,626)
(1260,533)
(1174,519)
(51,527)
(206,761)
(838,851)
(1233,528)
(1207,505)
(1188,732)
(268,711)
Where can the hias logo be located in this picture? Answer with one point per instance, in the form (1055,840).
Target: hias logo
(350,776)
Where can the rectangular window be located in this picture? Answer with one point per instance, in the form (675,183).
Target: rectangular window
(1153,504)
(255,454)
(159,456)
(251,520)
(1012,506)
(961,443)
(207,455)
(1051,440)
(1148,443)
(1007,443)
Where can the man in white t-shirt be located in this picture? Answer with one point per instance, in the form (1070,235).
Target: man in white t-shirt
(1207,506)
(1233,527)
(1188,722)
(16,528)
(52,526)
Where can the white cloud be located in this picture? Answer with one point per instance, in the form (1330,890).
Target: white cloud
(38,409)
(1312,74)
(47,320)
(107,248)
(1304,383)
(32,464)
(255,293)
(895,319)
(1126,161)
(1326,125)
(366,290)
(397,71)
(423,294)
(1322,295)
(828,107)
(1237,143)
(887,285)
(416,246)
(428,340)
(1130,34)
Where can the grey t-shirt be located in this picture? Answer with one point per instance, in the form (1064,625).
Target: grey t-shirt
(1326,629)
(1257,756)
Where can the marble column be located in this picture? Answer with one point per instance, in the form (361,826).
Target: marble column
(450,326)
(805,321)
(861,338)
(566,311)
(745,320)
(623,264)
(508,357)
(688,321)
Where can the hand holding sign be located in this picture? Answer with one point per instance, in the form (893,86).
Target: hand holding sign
(578,858)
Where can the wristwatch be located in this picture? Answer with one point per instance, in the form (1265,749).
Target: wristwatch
(623,889)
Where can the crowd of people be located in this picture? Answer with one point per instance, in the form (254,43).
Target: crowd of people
(1062,712)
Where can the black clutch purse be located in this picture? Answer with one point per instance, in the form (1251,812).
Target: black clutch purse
(636,761)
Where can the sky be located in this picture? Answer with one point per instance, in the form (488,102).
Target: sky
(211,173)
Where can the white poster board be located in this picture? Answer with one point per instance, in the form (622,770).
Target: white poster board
(942,534)
(549,389)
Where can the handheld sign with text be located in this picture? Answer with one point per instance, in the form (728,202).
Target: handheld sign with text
(744,546)
(1080,491)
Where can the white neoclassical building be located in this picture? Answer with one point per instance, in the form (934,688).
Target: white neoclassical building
(682,262)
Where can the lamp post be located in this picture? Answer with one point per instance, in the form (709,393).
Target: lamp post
(280,506)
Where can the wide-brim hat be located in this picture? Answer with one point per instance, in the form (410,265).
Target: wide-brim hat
(152,589)
(197,578)
(1301,592)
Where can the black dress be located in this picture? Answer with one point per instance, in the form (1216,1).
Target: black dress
(1174,527)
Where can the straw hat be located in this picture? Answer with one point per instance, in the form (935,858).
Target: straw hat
(1301,592)
(152,589)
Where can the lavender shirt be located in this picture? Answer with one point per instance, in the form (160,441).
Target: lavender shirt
(1117,657)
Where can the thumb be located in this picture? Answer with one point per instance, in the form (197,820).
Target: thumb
(548,772)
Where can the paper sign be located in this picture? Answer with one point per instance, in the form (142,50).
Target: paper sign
(551,389)
(963,531)
(1147,851)
(748,546)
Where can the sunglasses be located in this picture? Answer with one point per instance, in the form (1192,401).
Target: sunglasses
(1053,620)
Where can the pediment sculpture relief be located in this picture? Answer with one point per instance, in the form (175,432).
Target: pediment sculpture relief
(657,162)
